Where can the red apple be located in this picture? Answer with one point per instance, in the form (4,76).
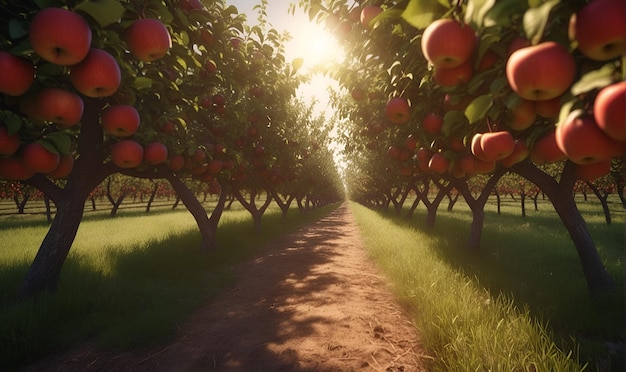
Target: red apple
(541,72)
(476,147)
(155,153)
(518,42)
(467,162)
(98,75)
(207,37)
(609,110)
(214,166)
(176,162)
(484,166)
(599,27)
(126,154)
(8,143)
(447,43)
(148,39)
(256,91)
(58,106)
(13,169)
(411,142)
(583,142)
(453,76)
(218,100)
(397,110)
(523,113)
(368,13)
(591,171)
(39,159)
(456,144)
(497,145)
(545,150)
(60,36)
(358,94)
(17,75)
(520,152)
(438,163)
(189,5)
(120,120)
(548,109)
(424,154)
(210,66)
(432,123)
(66,164)
(487,61)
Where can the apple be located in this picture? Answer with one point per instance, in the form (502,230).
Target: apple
(126,154)
(60,36)
(397,110)
(176,162)
(476,147)
(497,145)
(218,100)
(523,114)
(446,43)
(545,150)
(424,154)
(467,162)
(58,106)
(358,94)
(609,110)
(438,163)
(198,156)
(541,72)
(235,43)
(39,159)
(8,143)
(214,166)
(580,138)
(432,123)
(98,75)
(548,109)
(207,37)
(411,142)
(405,170)
(453,76)
(520,152)
(189,5)
(368,13)
(484,166)
(17,75)
(120,120)
(518,42)
(591,171)
(599,29)
(148,39)
(256,91)
(168,127)
(155,153)
(456,144)
(13,169)
(66,164)
(210,66)
(487,61)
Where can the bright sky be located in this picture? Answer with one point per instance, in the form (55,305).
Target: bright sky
(310,41)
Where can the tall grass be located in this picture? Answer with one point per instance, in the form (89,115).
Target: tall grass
(520,303)
(127,281)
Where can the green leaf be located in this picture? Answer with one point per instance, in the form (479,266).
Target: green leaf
(477,110)
(297,63)
(498,84)
(452,121)
(141,83)
(536,19)
(61,142)
(105,12)
(476,10)
(13,123)
(594,79)
(17,29)
(421,13)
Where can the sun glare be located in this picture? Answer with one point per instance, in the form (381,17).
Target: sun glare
(314,44)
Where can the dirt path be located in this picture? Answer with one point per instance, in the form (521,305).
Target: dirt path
(312,301)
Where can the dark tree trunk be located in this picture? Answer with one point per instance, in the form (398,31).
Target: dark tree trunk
(152,196)
(523,202)
(433,206)
(21,204)
(561,195)
(250,206)
(176,202)
(603,201)
(452,201)
(283,205)
(46,200)
(497,194)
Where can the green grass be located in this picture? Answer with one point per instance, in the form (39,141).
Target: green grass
(521,303)
(127,281)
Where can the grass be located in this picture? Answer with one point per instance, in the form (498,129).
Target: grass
(127,281)
(521,303)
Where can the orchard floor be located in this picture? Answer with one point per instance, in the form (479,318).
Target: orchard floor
(311,301)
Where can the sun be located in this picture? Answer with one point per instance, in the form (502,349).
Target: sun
(313,43)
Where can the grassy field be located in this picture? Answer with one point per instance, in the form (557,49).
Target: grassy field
(128,280)
(521,303)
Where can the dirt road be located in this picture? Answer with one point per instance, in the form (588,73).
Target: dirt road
(310,301)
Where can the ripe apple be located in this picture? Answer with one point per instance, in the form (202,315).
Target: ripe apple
(148,39)
(58,106)
(411,142)
(467,162)
(66,164)
(218,100)
(256,91)
(120,120)
(453,76)
(98,75)
(214,166)
(487,61)
(126,154)
(13,169)
(155,153)
(548,109)
(520,152)
(368,13)
(523,113)
(60,36)
(599,29)
(518,42)
(580,138)
(446,43)
(39,159)
(8,143)
(438,163)
(484,166)
(190,5)
(397,110)
(424,154)
(545,150)
(17,75)
(591,171)
(210,66)
(609,110)
(207,37)
(393,152)
(456,144)
(541,72)
(358,94)
(432,123)
(168,127)
(176,162)
(497,145)
(198,156)
(476,147)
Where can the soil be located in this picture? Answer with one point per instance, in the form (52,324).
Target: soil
(310,301)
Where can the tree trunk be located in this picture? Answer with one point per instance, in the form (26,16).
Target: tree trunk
(603,201)
(152,195)
(561,196)
(46,200)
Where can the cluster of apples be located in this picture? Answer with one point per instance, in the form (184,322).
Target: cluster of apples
(63,37)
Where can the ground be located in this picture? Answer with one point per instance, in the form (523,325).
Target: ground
(310,301)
